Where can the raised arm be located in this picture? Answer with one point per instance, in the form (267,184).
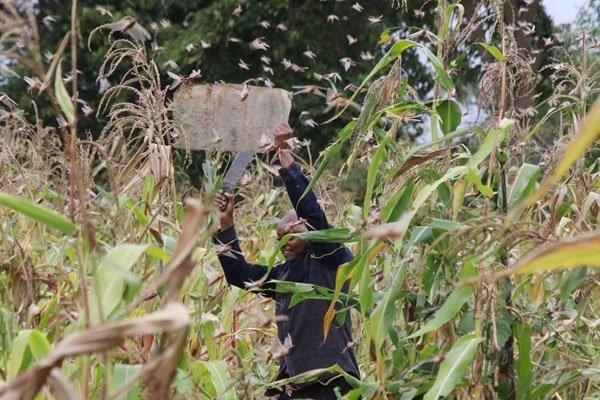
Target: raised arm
(237,270)
(308,207)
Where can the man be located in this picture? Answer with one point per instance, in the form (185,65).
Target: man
(308,262)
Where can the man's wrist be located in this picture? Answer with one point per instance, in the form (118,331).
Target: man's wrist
(225,224)
(285,157)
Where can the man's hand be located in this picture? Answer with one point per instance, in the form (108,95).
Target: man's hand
(282,134)
(223,202)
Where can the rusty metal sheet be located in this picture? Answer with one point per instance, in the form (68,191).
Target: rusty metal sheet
(214,116)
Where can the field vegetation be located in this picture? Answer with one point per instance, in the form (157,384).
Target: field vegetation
(476,243)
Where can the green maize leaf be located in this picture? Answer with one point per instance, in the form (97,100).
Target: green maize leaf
(123,372)
(398,204)
(333,235)
(456,363)
(365,290)
(39,344)
(524,365)
(578,251)
(474,178)
(62,96)
(38,213)
(453,304)
(112,275)
(448,15)
(445,225)
(542,122)
(495,137)
(583,139)
(524,183)
(384,314)
(573,280)
(215,376)
(494,51)
(450,115)
(394,52)
(209,322)
(29,345)
(306,291)
(379,157)
(313,375)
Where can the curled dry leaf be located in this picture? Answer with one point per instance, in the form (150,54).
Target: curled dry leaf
(174,317)
(389,231)
(418,159)
(127,25)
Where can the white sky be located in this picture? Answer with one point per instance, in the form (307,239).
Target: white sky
(563,11)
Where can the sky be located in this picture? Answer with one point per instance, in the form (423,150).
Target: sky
(563,11)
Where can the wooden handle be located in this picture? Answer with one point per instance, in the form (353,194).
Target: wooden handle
(229,191)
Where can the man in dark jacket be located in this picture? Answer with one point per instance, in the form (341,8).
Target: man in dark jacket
(307,262)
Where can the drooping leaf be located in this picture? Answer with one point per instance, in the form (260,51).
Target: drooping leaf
(444,31)
(455,301)
(216,376)
(574,279)
(333,235)
(39,344)
(315,374)
(504,324)
(587,134)
(578,251)
(394,52)
(209,323)
(450,115)
(524,183)
(112,275)
(494,51)
(18,359)
(123,372)
(456,363)
(398,204)
(494,136)
(384,314)
(38,213)
(28,345)
(62,96)
(378,158)
(306,291)
(445,225)
(474,179)
(418,159)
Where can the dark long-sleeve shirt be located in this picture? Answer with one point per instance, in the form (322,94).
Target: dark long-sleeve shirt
(303,322)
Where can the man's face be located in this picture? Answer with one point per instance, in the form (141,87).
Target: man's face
(295,248)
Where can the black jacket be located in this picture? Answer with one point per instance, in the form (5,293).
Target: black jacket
(304,321)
